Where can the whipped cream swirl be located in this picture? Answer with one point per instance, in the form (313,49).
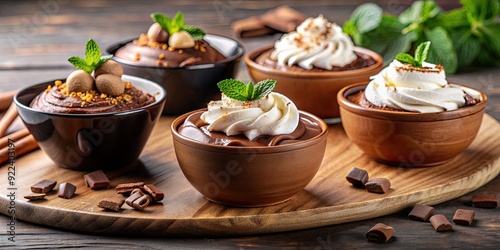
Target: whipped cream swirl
(316,43)
(425,90)
(272,115)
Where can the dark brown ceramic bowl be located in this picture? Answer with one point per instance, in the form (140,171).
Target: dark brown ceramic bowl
(313,92)
(249,176)
(190,87)
(92,141)
(409,139)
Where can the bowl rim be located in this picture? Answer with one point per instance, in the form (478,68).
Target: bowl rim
(253,54)
(134,79)
(111,49)
(344,103)
(238,149)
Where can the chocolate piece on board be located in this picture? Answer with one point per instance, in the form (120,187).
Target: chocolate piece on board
(155,193)
(142,202)
(440,223)
(66,190)
(126,188)
(421,212)
(35,196)
(380,233)
(378,185)
(114,204)
(43,186)
(96,180)
(251,27)
(284,19)
(464,217)
(485,201)
(357,177)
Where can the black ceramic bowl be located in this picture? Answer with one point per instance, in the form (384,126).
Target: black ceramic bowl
(92,141)
(190,87)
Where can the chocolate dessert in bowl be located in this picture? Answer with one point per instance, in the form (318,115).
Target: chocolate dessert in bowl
(312,64)
(409,115)
(183,59)
(96,118)
(251,148)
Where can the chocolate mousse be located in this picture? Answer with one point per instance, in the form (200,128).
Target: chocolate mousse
(96,87)
(316,46)
(249,115)
(170,43)
(362,61)
(57,99)
(196,129)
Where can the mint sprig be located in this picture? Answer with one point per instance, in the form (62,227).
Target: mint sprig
(93,58)
(176,24)
(420,55)
(240,91)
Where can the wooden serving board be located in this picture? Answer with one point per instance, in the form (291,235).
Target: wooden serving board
(329,199)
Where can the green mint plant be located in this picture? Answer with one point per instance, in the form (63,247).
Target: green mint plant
(460,37)
(176,24)
(93,58)
(420,55)
(240,91)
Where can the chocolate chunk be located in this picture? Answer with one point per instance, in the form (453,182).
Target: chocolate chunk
(43,186)
(142,202)
(155,193)
(485,201)
(251,27)
(126,188)
(35,196)
(66,190)
(96,180)
(463,217)
(380,233)
(114,204)
(357,177)
(284,19)
(136,195)
(421,212)
(440,223)
(378,185)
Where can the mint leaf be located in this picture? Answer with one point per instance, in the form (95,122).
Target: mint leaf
(466,45)
(419,12)
(366,17)
(452,19)
(442,50)
(177,23)
(421,52)
(407,58)
(233,89)
(237,90)
(263,88)
(482,10)
(163,21)
(92,52)
(195,32)
(491,36)
(81,63)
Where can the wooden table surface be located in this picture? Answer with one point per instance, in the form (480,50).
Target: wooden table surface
(37,37)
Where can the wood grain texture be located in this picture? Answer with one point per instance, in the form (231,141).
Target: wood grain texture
(329,199)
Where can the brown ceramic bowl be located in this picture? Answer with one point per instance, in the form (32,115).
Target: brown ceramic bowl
(249,176)
(92,141)
(190,87)
(313,92)
(409,139)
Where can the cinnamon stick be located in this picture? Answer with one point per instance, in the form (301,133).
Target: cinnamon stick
(17,149)
(6,99)
(7,119)
(18,135)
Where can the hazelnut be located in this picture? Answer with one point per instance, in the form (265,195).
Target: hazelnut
(109,67)
(157,34)
(110,84)
(181,40)
(79,81)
